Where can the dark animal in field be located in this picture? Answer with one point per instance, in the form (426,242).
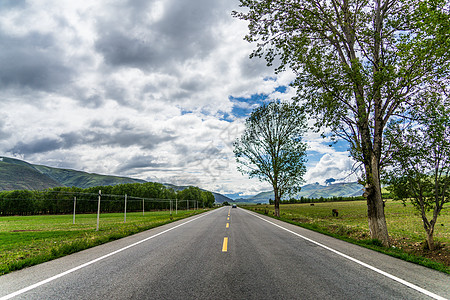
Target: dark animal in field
(335,212)
(312,204)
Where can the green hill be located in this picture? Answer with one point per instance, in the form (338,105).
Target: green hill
(82,179)
(19,175)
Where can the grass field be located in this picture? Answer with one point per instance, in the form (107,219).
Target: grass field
(29,240)
(404,226)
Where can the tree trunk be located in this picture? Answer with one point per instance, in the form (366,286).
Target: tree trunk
(375,207)
(277,203)
(430,239)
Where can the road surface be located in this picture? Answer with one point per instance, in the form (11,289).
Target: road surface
(228,253)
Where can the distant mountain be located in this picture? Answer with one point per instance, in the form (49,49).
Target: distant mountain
(16,174)
(315,190)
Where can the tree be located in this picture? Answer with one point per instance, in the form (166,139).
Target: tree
(357,63)
(421,161)
(271,148)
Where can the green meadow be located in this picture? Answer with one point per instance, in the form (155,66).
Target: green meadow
(30,240)
(404,224)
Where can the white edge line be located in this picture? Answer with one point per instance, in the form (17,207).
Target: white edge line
(404,282)
(31,287)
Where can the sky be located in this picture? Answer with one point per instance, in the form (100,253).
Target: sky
(155,90)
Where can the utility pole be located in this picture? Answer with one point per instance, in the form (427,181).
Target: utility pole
(98,209)
(74,207)
(125,213)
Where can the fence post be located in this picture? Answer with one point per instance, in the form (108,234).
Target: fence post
(176,206)
(142,206)
(98,209)
(170,206)
(187,204)
(125,212)
(74,206)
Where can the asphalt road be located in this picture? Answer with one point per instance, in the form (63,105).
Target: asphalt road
(253,257)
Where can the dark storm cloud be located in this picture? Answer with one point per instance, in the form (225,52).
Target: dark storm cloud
(144,162)
(123,138)
(185,31)
(9,4)
(32,62)
(36,146)
(126,138)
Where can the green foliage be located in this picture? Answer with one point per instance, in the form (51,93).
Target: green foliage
(421,160)
(353,60)
(206,199)
(271,148)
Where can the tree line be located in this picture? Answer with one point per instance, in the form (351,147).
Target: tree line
(317,200)
(60,200)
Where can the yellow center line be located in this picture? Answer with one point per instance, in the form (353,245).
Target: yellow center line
(228,225)
(228,219)
(225,244)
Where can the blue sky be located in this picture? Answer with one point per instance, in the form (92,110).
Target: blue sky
(147,89)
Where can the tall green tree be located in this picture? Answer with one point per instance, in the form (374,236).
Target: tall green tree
(420,150)
(271,148)
(357,64)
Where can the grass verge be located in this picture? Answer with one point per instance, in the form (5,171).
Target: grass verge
(31,240)
(404,226)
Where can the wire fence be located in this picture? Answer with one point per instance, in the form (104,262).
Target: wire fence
(65,202)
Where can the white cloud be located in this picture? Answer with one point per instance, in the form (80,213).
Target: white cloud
(335,165)
(136,88)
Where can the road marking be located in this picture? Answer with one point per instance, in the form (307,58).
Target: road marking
(228,225)
(404,282)
(225,244)
(228,219)
(31,287)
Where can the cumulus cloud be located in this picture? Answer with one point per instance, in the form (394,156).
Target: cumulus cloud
(332,165)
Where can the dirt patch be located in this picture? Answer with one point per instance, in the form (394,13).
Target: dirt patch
(440,254)
(24,230)
(302,220)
